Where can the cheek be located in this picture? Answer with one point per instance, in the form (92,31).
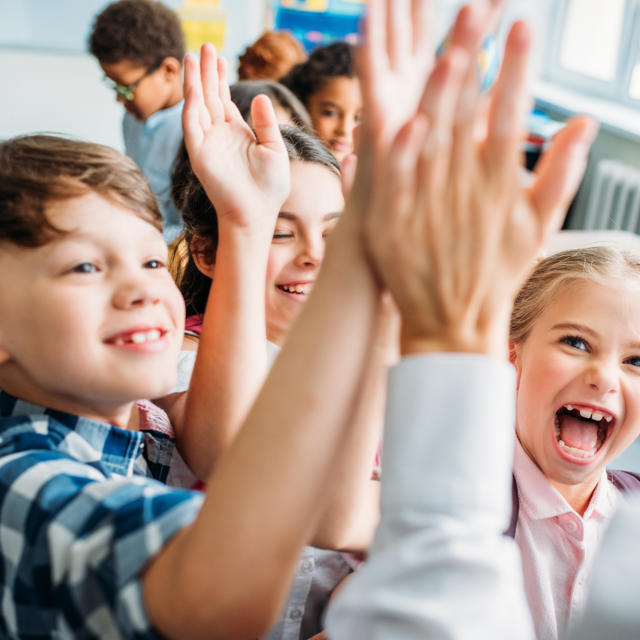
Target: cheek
(277,260)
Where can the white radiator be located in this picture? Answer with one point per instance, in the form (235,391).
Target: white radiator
(614,201)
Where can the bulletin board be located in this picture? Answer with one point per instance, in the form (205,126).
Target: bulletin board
(319,22)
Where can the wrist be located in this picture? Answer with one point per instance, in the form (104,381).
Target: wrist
(491,340)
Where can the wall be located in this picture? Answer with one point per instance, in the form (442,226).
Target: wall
(60,89)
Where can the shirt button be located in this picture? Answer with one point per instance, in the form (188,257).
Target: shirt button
(295,614)
(307,566)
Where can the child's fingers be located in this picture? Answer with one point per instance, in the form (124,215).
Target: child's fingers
(265,123)
(399,32)
(560,170)
(210,83)
(509,104)
(192,125)
(370,57)
(470,27)
(423,21)
(348,173)
(438,104)
(231,111)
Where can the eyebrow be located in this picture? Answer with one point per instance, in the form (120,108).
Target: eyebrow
(571,326)
(293,217)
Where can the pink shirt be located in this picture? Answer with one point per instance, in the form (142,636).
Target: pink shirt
(557,545)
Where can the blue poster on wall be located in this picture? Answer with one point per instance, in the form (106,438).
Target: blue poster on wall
(319,22)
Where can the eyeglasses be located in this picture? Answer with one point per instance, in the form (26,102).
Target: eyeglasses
(127,91)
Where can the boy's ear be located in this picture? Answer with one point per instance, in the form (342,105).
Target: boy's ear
(203,255)
(171,67)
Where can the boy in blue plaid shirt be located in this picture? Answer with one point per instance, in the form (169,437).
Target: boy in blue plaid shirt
(92,543)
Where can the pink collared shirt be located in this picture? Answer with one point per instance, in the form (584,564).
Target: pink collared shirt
(557,545)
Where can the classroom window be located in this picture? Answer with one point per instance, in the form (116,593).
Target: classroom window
(594,48)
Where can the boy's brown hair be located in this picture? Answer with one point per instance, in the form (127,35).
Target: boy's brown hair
(37,169)
(143,32)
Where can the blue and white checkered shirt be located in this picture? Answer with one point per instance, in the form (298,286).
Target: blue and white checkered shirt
(81,515)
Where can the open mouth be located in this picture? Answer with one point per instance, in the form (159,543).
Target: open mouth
(296,289)
(138,337)
(581,431)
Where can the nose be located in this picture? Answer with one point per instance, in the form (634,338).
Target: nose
(133,292)
(311,251)
(602,376)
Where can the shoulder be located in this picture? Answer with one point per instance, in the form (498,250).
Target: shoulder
(624,481)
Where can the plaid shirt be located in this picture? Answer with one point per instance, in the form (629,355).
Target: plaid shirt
(81,514)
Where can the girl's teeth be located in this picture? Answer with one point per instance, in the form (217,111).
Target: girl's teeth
(580,453)
(585,413)
(597,416)
(143,336)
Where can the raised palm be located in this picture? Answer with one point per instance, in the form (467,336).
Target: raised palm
(245,175)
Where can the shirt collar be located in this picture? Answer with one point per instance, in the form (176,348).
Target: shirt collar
(86,440)
(160,116)
(540,499)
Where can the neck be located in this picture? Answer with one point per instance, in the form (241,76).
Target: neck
(276,336)
(577,495)
(175,96)
(119,414)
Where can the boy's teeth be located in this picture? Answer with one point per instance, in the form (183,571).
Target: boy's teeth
(597,416)
(140,336)
(608,418)
(569,407)
(585,413)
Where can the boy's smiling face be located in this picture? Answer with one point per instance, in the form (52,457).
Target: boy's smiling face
(92,320)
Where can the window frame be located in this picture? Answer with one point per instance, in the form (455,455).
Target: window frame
(616,90)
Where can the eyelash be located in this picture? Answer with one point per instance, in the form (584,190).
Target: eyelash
(158,264)
(568,340)
(571,340)
(79,268)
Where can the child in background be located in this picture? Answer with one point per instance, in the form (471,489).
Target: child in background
(328,87)
(140,46)
(294,257)
(574,336)
(270,57)
(289,110)
(98,547)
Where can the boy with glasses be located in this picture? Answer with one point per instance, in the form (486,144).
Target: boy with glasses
(140,46)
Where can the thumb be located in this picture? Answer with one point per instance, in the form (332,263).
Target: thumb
(265,123)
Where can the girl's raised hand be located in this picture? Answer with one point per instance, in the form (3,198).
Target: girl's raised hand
(246,176)
(449,229)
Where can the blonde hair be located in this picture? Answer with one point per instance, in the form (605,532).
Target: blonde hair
(554,273)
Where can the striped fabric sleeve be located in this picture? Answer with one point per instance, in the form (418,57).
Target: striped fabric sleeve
(74,544)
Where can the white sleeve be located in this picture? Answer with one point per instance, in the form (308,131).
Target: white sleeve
(612,609)
(439,566)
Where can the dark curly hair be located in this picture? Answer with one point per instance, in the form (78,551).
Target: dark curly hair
(200,218)
(141,31)
(244,91)
(306,78)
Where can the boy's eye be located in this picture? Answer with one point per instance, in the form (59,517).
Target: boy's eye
(84,267)
(330,113)
(633,360)
(153,264)
(281,236)
(575,342)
